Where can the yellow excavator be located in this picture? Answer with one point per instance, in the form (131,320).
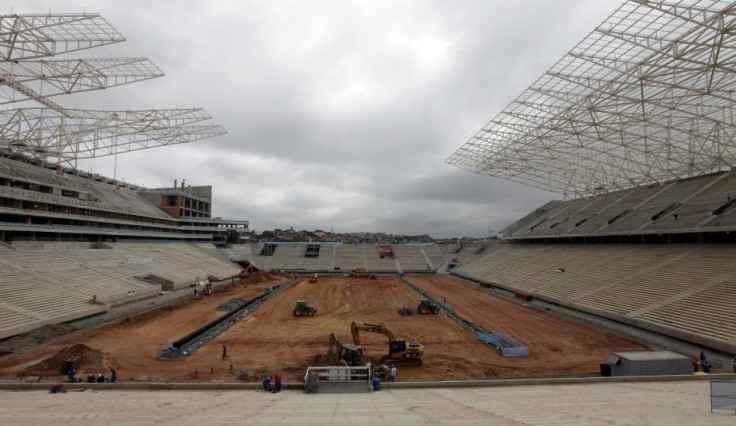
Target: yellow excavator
(246,272)
(400,354)
(345,354)
(359,273)
(350,355)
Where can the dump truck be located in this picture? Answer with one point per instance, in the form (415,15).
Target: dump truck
(400,354)
(303,309)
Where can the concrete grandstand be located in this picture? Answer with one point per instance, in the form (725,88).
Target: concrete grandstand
(649,246)
(656,244)
(644,232)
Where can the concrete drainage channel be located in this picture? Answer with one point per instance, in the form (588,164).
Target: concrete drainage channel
(190,343)
(504,344)
(654,340)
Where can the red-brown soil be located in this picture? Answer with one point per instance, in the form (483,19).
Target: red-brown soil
(272,341)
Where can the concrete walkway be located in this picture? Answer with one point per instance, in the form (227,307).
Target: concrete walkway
(624,403)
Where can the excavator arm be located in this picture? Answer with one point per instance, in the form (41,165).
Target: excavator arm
(399,352)
(357,327)
(247,271)
(345,354)
(333,350)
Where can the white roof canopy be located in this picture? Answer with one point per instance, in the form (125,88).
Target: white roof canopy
(59,134)
(647,96)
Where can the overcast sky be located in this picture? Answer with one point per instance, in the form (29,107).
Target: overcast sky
(340,114)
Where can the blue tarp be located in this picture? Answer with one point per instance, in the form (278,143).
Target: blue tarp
(504,344)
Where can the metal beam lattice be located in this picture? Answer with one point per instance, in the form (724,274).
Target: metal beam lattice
(77,134)
(34,36)
(647,96)
(40,79)
(62,135)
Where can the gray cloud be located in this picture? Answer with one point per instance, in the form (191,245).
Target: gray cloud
(340,114)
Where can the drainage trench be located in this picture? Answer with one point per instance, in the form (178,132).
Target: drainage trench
(190,343)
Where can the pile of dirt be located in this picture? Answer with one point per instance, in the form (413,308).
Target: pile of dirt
(91,360)
(31,339)
(231,305)
(258,277)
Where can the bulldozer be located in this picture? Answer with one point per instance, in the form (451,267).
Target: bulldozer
(359,273)
(302,309)
(427,306)
(400,354)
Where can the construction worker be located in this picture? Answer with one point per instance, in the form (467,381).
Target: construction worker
(57,388)
(267,384)
(224,351)
(392,374)
(277,378)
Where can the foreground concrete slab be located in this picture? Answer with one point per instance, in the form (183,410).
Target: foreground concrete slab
(647,403)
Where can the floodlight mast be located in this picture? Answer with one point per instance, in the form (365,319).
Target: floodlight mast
(646,97)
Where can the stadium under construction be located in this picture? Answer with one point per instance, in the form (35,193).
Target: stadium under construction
(633,128)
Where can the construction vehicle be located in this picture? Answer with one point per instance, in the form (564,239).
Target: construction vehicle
(246,272)
(208,289)
(427,306)
(350,355)
(345,354)
(302,309)
(400,354)
(313,279)
(359,273)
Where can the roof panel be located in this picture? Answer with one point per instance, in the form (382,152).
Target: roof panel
(635,101)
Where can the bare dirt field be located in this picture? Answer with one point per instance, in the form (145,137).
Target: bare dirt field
(272,340)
